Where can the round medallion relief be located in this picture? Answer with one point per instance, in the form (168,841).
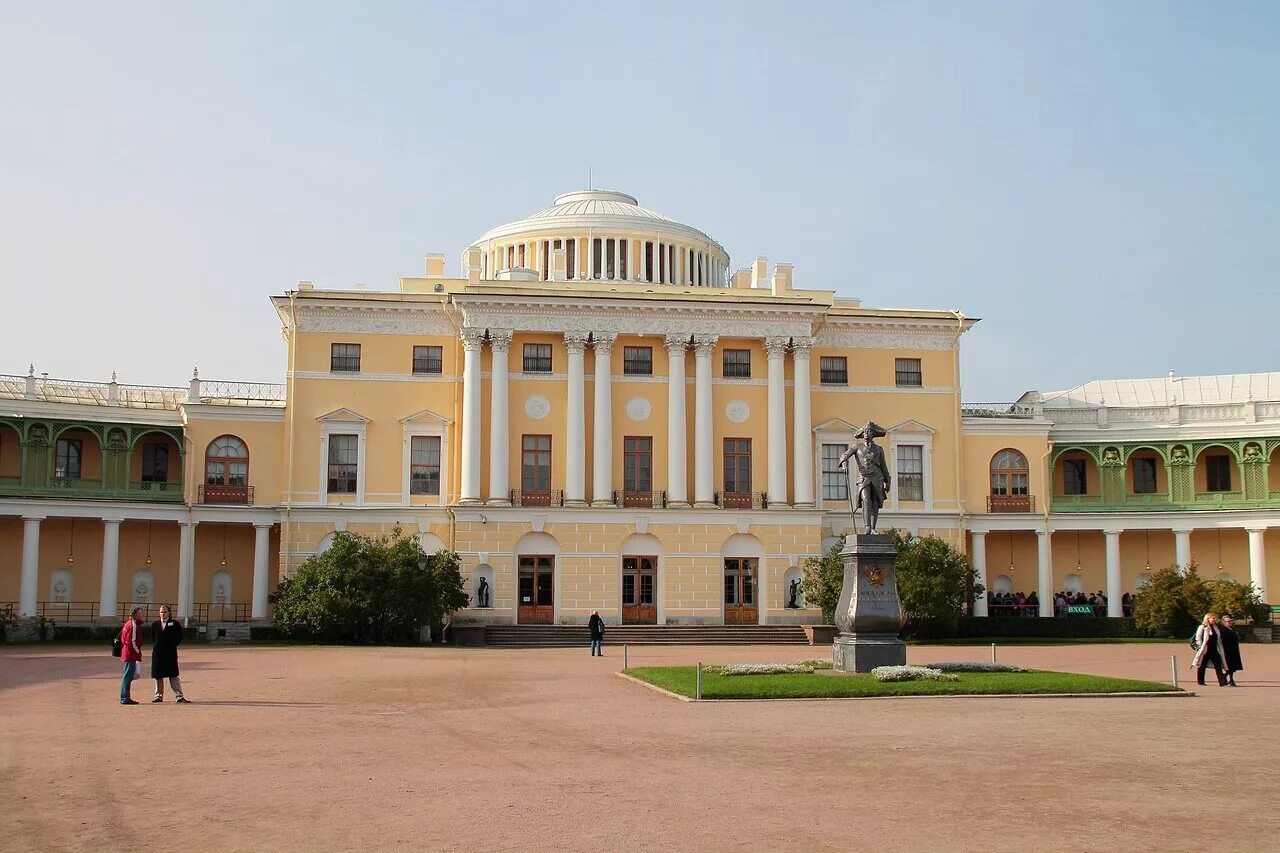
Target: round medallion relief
(638,409)
(737,411)
(537,407)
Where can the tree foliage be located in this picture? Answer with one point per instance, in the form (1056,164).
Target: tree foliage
(369,590)
(1176,602)
(935,581)
(823,579)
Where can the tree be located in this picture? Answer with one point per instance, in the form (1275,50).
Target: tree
(823,580)
(1172,601)
(1239,599)
(369,590)
(935,581)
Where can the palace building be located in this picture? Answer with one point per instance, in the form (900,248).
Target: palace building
(601,412)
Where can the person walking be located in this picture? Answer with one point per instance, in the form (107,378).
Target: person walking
(1230,649)
(166,636)
(130,654)
(1209,650)
(596,626)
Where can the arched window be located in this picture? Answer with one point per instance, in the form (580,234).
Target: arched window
(226,471)
(1010,487)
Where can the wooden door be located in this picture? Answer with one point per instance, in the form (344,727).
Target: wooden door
(536,604)
(740,591)
(639,604)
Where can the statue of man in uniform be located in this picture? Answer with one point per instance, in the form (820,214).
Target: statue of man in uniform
(873,474)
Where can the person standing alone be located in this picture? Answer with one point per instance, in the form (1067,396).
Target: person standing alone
(166,636)
(130,654)
(1230,649)
(596,626)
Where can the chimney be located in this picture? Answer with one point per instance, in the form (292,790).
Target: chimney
(435,265)
(559,265)
(306,285)
(781,280)
(741,279)
(471,264)
(759,270)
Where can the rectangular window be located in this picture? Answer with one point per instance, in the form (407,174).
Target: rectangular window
(637,464)
(67,462)
(344,456)
(424,465)
(428,360)
(637,361)
(155,463)
(1073,477)
(910,472)
(1217,468)
(737,363)
(1144,476)
(835,369)
(344,358)
(537,358)
(835,483)
(535,464)
(907,373)
(737,466)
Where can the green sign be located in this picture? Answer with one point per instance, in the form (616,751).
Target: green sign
(1080,609)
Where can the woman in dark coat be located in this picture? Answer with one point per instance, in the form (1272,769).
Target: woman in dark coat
(596,626)
(1230,649)
(166,636)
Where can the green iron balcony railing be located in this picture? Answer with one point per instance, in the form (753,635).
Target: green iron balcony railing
(91,489)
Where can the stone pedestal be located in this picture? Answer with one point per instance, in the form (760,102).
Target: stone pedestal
(869,614)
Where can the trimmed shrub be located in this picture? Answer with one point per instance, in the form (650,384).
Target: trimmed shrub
(757,668)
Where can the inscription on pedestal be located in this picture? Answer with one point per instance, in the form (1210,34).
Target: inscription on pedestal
(869,614)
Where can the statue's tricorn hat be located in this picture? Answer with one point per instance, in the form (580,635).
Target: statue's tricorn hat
(871,430)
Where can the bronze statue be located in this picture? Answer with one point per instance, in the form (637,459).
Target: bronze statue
(873,475)
(483,592)
(794,593)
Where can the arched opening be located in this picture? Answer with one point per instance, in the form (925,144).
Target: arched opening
(1145,473)
(326,542)
(155,463)
(76,457)
(535,579)
(482,586)
(1010,483)
(1273,473)
(792,588)
(431,544)
(742,555)
(1002,585)
(641,556)
(1075,477)
(10,456)
(1217,472)
(226,472)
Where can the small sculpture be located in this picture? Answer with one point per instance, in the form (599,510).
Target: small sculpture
(794,593)
(1252,453)
(873,475)
(482,592)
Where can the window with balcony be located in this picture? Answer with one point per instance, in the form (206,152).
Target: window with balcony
(907,373)
(637,470)
(344,358)
(535,466)
(1144,476)
(910,472)
(226,471)
(155,463)
(344,463)
(424,465)
(67,458)
(835,483)
(1010,491)
(1217,471)
(637,361)
(1074,477)
(737,471)
(537,358)
(736,363)
(834,370)
(428,360)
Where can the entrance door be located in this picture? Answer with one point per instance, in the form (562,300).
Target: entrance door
(638,607)
(537,591)
(740,591)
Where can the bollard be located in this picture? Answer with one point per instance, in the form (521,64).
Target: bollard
(624,657)
(993,652)
(697,684)
(1173,664)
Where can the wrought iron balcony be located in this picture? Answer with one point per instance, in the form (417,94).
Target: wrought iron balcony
(524,497)
(641,500)
(224,612)
(1011,503)
(742,500)
(91,489)
(218,494)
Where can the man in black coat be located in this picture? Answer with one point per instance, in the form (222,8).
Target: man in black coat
(596,626)
(166,636)
(1230,648)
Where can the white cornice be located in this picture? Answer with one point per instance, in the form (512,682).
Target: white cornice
(199,412)
(1006,426)
(91,413)
(401,318)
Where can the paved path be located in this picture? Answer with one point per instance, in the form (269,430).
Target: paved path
(465,749)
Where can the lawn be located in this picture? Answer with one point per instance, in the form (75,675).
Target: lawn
(680,679)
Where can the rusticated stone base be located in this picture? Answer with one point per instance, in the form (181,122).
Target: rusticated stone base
(865,652)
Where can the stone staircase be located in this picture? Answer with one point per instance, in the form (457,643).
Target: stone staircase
(566,636)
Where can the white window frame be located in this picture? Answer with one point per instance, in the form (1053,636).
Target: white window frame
(424,423)
(912,433)
(342,422)
(834,431)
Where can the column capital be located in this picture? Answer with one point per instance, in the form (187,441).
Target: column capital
(500,339)
(978,534)
(1257,530)
(801,347)
(187,522)
(34,517)
(676,344)
(776,347)
(575,342)
(263,525)
(704,344)
(602,342)
(1112,532)
(112,520)
(472,339)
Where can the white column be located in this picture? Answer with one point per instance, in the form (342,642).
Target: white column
(30,564)
(499,439)
(979,560)
(664,275)
(776,349)
(261,569)
(612,252)
(701,259)
(677,488)
(1114,592)
(186,568)
(110,588)
(602,445)
(1044,567)
(1182,549)
(592,267)
(576,450)
(703,424)
(1258,561)
(802,425)
(580,261)
(472,340)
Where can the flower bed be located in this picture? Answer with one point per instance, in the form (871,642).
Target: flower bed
(757,668)
(910,673)
(974,666)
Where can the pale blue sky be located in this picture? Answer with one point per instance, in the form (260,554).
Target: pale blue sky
(1099,181)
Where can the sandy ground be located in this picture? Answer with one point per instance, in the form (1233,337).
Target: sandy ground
(466,749)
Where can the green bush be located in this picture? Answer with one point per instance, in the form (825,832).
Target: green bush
(935,581)
(1030,627)
(1176,602)
(823,579)
(369,590)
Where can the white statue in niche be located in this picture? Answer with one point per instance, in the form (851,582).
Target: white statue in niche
(220,593)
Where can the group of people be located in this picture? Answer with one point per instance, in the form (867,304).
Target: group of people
(1218,645)
(1064,599)
(166,636)
(1013,604)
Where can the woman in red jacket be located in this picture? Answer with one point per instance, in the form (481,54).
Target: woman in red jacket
(131,654)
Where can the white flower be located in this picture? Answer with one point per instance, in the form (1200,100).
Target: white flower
(975,666)
(910,673)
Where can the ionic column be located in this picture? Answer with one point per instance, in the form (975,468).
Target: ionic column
(186,567)
(499,438)
(703,424)
(575,465)
(27,603)
(1182,549)
(472,340)
(979,560)
(602,445)
(110,567)
(776,349)
(663,274)
(611,252)
(1258,561)
(802,441)
(677,488)
(1044,567)
(1114,592)
(581,261)
(261,569)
